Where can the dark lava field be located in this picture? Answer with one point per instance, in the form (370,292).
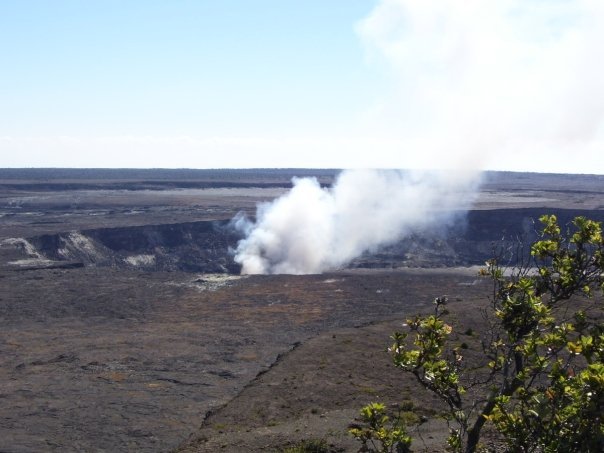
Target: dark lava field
(125,325)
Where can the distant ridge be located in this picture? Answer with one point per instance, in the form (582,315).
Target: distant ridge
(61,179)
(158,173)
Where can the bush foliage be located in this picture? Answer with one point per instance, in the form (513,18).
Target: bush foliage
(542,384)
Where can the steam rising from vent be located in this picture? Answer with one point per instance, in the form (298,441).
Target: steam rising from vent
(312,229)
(475,82)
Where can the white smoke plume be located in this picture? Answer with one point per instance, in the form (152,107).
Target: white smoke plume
(469,83)
(312,229)
(516,83)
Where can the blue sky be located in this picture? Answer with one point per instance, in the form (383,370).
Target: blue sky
(313,83)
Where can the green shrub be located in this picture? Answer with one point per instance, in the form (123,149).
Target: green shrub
(544,385)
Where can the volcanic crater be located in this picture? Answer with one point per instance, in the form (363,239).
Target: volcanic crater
(125,324)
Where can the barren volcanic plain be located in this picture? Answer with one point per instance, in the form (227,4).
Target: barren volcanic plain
(126,327)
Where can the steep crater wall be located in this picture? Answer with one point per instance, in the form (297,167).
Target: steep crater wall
(190,247)
(474,238)
(206,246)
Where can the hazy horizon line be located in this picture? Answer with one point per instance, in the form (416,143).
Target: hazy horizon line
(325,169)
